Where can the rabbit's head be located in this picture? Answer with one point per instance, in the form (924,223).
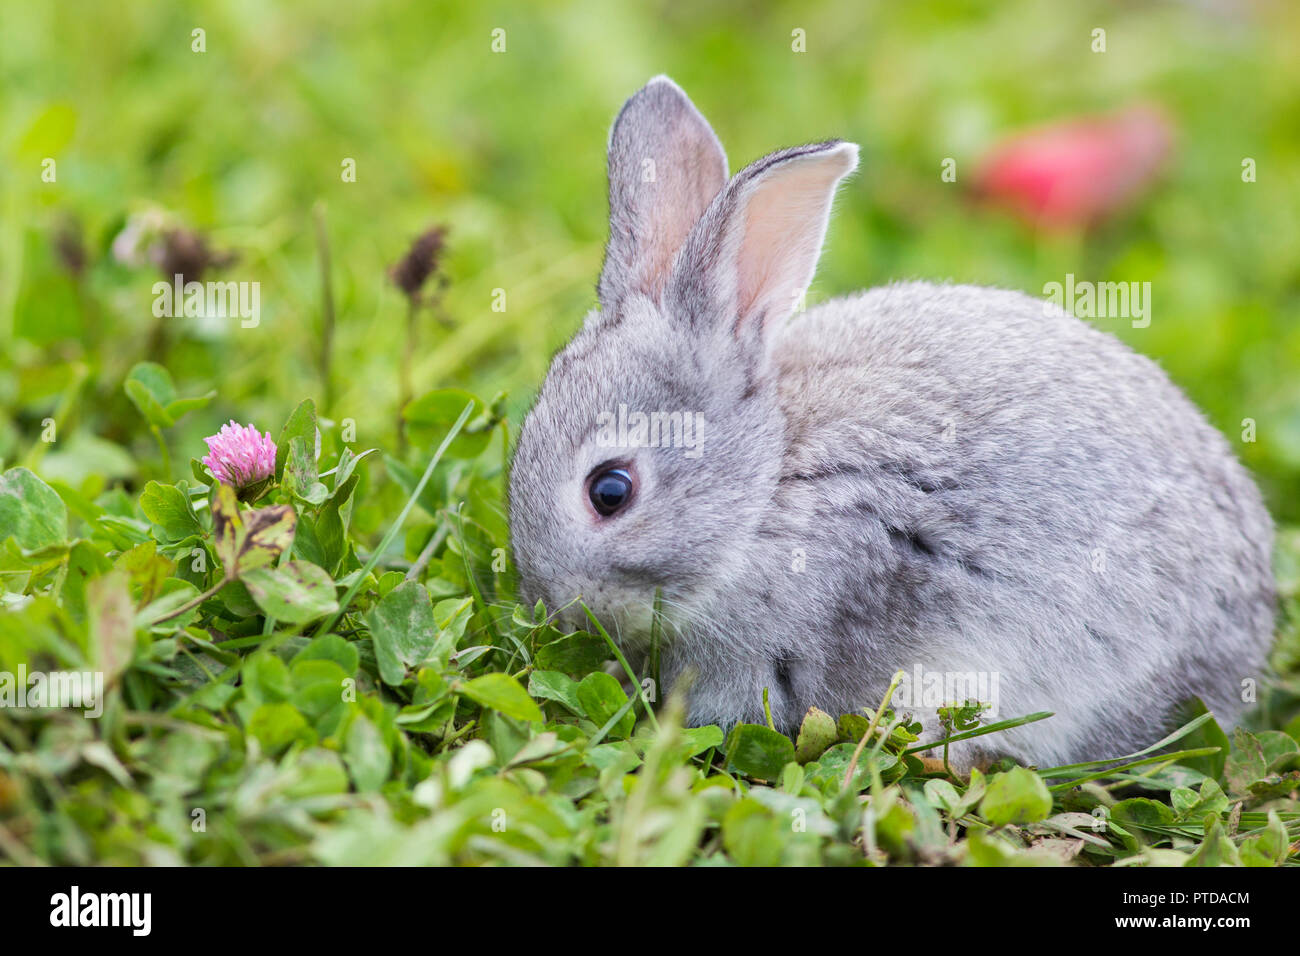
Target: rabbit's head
(656,440)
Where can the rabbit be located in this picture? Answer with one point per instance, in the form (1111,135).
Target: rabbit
(933,479)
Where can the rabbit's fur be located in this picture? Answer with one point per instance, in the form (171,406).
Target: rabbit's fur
(952,479)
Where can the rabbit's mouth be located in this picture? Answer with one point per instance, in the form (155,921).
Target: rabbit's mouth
(629,619)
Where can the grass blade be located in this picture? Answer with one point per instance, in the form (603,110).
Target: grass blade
(328,624)
(981,731)
(1158,758)
(1178,734)
(637,693)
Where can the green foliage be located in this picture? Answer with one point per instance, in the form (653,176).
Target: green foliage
(256,688)
(1017,796)
(30,511)
(150,388)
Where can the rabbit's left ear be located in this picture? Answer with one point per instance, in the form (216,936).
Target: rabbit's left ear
(752,255)
(665,165)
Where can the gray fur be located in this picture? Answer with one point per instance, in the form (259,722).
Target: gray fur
(665,167)
(977,483)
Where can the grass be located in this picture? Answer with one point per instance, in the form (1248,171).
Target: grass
(338,672)
(277,695)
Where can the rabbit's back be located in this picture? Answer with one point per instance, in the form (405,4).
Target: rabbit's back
(947,480)
(993,487)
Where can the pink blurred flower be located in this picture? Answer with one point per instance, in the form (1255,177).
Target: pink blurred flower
(1078,172)
(240,457)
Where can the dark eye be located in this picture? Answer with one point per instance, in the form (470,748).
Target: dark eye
(610,490)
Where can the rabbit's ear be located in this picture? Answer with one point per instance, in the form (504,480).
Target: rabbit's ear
(752,255)
(665,166)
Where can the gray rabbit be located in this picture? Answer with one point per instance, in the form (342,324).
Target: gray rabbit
(960,483)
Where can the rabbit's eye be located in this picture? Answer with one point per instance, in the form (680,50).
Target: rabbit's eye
(610,490)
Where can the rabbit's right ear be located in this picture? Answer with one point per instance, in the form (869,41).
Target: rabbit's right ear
(752,255)
(665,167)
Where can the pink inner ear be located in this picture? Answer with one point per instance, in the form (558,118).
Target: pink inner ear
(785,223)
(676,199)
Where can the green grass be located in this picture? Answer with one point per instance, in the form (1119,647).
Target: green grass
(318,706)
(280,694)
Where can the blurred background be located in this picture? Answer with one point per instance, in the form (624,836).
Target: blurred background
(225,154)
